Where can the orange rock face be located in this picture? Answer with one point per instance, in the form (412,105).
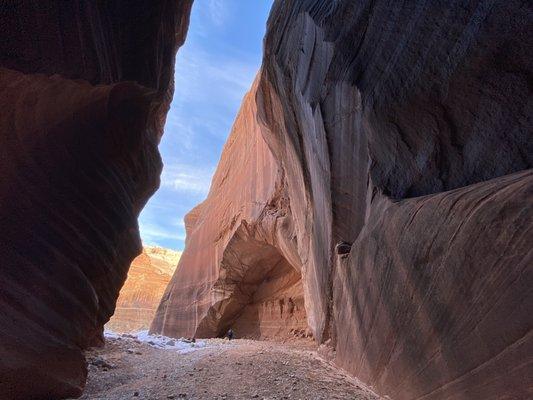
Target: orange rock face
(148,277)
(376,189)
(238,268)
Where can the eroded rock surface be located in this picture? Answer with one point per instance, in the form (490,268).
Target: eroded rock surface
(148,276)
(84,90)
(238,268)
(434,299)
(386,156)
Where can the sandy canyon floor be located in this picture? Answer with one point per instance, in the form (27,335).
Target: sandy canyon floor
(127,368)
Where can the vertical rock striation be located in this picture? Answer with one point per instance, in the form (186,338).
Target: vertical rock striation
(239,268)
(396,156)
(409,121)
(434,299)
(84,89)
(148,277)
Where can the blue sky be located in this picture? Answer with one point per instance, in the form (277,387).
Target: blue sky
(214,69)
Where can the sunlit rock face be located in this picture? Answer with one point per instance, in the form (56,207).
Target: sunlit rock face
(396,180)
(84,90)
(148,277)
(239,267)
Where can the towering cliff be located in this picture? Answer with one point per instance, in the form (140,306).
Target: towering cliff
(238,268)
(84,90)
(148,277)
(384,156)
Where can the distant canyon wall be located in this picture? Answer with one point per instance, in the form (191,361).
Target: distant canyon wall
(383,158)
(84,91)
(148,276)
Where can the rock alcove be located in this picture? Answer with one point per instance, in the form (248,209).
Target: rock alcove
(265,295)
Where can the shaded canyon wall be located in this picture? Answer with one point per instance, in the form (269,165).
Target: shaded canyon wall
(148,276)
(394,176)
(84,91)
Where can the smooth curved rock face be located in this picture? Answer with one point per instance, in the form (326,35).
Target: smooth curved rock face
(370,105)
(84,89)
(434,299)
(238,266)
(397,132)
(148,277)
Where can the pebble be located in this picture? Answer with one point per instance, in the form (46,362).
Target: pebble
(268,370)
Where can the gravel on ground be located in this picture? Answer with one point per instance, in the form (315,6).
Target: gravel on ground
(126,368)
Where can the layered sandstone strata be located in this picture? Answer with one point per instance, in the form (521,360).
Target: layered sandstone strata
(148,277)
(84,89)
(380,157)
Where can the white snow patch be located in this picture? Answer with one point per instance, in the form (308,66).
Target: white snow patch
(158,341)
(110,334)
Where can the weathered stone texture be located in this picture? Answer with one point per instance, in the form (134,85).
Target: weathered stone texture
(238,266)
(397,134)
(434,299)
(148,276)
(84,89)
(392,115)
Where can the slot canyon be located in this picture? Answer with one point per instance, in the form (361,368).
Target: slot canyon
(374,200)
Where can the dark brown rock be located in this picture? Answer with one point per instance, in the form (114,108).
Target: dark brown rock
(382,104)
(343,248)
(84,89)
(435,297)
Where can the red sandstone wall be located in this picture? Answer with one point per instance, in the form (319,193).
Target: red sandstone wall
(436,292)
(402,128)
(84,89)
(148,276)
(234,248)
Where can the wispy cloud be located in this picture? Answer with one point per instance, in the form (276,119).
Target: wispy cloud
(187,178)
(213,78)
(152,233)
(218,11)
(214,69)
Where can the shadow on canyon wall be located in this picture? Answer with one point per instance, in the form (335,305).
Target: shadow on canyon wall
(84,90)
(378,175)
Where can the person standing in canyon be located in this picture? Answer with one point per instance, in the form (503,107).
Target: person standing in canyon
(230,334)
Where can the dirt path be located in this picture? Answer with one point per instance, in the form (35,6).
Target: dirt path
(222,370)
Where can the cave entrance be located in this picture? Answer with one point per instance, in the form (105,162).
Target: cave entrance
(266,298)
(276,306)
(214,69)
